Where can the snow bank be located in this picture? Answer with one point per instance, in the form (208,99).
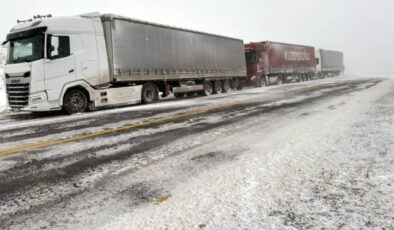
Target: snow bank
(3,100)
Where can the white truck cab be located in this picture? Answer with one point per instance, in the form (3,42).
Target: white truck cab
(52,61)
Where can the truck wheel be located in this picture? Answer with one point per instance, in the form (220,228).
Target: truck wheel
(234,84)
(262,82)
(240,85)
(149,93)
(280,80)
(75,101)
(217,87)
(226,86)
(207,88)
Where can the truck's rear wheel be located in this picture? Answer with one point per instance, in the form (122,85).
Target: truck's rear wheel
(75,101)
(217,87)
(262,82)
(207,88)
(226,86)
(280,80)
(240,85)
(149,93)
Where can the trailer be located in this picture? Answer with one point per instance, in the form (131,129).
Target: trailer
(92,60)
(329,63)
(273,62)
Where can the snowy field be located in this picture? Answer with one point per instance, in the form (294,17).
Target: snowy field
(314,155)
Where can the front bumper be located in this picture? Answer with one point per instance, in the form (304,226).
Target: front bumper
(38,102)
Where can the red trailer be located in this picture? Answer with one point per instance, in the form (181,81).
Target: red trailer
(272,62)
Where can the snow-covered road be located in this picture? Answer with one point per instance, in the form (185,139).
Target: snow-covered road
(311,155)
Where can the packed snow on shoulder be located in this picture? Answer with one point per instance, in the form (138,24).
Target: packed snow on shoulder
(3,98)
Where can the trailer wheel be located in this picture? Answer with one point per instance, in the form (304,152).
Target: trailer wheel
(234,84)
(149,93)
(207,88)
(217,87)
(263,83)
(226,86)
(280,80)
(75,101)
(240,85)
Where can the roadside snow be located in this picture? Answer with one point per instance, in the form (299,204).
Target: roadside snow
(3,100)
(332,168)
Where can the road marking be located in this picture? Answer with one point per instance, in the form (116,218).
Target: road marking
(190,112)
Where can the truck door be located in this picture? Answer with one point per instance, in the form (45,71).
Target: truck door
(59,65)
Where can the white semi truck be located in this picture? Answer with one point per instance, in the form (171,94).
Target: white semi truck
(89,61)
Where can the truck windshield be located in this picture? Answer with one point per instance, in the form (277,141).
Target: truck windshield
(250,57)
(26,49)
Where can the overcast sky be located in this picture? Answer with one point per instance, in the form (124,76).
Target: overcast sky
(362,29)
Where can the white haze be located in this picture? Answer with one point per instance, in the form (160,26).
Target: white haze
(363,29)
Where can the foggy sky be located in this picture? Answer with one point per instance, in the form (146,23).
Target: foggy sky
(362,29)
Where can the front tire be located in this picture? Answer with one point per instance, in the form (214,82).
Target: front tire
(75,101)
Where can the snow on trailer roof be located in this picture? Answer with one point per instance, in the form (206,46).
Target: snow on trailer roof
(114,16)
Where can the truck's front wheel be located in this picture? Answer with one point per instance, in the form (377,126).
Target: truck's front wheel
(149,93)
(75,101)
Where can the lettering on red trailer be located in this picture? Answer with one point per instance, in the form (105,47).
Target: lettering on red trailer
(297,56)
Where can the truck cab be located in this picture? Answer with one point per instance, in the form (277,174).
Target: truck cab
(49,56)
(256,63)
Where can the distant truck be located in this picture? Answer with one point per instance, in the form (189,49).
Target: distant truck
(273,62)
(329,63)
(92,60)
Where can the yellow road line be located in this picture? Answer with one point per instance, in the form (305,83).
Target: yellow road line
(46,143)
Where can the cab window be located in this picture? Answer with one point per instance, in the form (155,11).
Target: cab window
(250,57)
(58,47)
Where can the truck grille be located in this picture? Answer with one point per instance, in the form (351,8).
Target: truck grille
(18,88)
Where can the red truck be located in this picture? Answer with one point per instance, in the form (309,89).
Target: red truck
(272,62)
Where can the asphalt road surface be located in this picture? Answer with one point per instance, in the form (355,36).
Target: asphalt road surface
(305,155)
